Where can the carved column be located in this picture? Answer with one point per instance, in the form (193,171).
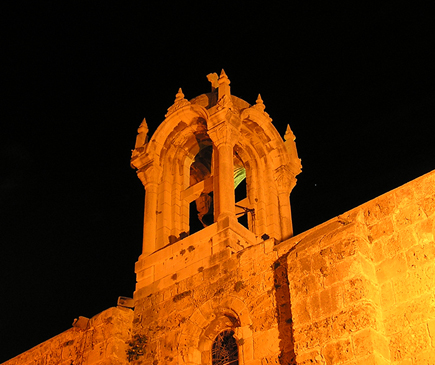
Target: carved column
(150,177)
(224,136)
(285,185)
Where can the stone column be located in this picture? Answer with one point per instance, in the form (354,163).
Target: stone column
(285,215)
(149,178)
(224,136)
(284,186)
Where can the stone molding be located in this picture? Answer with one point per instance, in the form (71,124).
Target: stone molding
(206,322)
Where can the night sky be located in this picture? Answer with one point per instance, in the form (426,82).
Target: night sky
(355,84)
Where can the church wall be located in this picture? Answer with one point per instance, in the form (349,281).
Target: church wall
(101,340)
(237,290)
(362,285)
(357,289)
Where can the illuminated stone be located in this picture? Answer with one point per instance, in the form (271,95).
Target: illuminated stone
(357,289)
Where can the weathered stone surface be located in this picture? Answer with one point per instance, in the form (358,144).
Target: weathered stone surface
(409,343)
(357,289)
(103,341)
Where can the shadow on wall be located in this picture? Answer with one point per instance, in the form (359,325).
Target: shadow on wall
(283,312)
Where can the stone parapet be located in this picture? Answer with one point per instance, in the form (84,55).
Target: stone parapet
(190,256)
(102,339)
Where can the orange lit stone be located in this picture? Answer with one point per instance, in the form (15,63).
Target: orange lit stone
(357,289)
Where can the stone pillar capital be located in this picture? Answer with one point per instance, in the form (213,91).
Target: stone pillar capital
(226,131)
(149,175)
(285,182)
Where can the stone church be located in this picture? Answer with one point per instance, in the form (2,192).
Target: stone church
(221,278)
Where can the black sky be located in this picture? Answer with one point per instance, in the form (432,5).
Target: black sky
(355,84)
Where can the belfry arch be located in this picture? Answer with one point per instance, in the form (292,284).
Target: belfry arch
(241,139)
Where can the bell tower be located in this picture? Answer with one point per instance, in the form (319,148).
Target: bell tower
(200,152)
(190,167)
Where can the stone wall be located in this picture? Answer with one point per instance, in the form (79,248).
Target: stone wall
(358,289)
(101,340)
(362,285)
(246,291)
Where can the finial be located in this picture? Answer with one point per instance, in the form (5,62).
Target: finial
(179,96)
(290,144)
(289,135)
(141,138)
(143,126)
(223,77)
(213,78)
(259,103)
(179,102)
(224,85)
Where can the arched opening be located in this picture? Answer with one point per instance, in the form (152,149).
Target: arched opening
(240,190)
(201,209)
(225,350)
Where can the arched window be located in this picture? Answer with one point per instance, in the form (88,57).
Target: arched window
(225,350)
(201,209)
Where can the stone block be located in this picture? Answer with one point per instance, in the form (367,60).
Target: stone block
(318,262)
(409,342)
(357,317)
(391,268)
(300,288)
(368,342)
(304,265)
(413,312)
(373,359)
(387,295)
(416,282)
(381,229)
(314,307)
(431,329)
(265,263)
(427,204)
(266,343)
(391,245)
(310,358)
(425,231)
(425,358)
(340,271)
(407,215)
(269,245)
(212,273)
(367,269)
(352,266)
(338,351)
(379,208)
(313,334)
(404,195)
(191,272)
(300,313)
(421,254)
(424,185)
(339,250)
(220,255)
(331,300)
(378,250)
(264,320)
(359,288)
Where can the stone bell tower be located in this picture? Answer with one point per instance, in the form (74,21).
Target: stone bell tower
(199,154)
